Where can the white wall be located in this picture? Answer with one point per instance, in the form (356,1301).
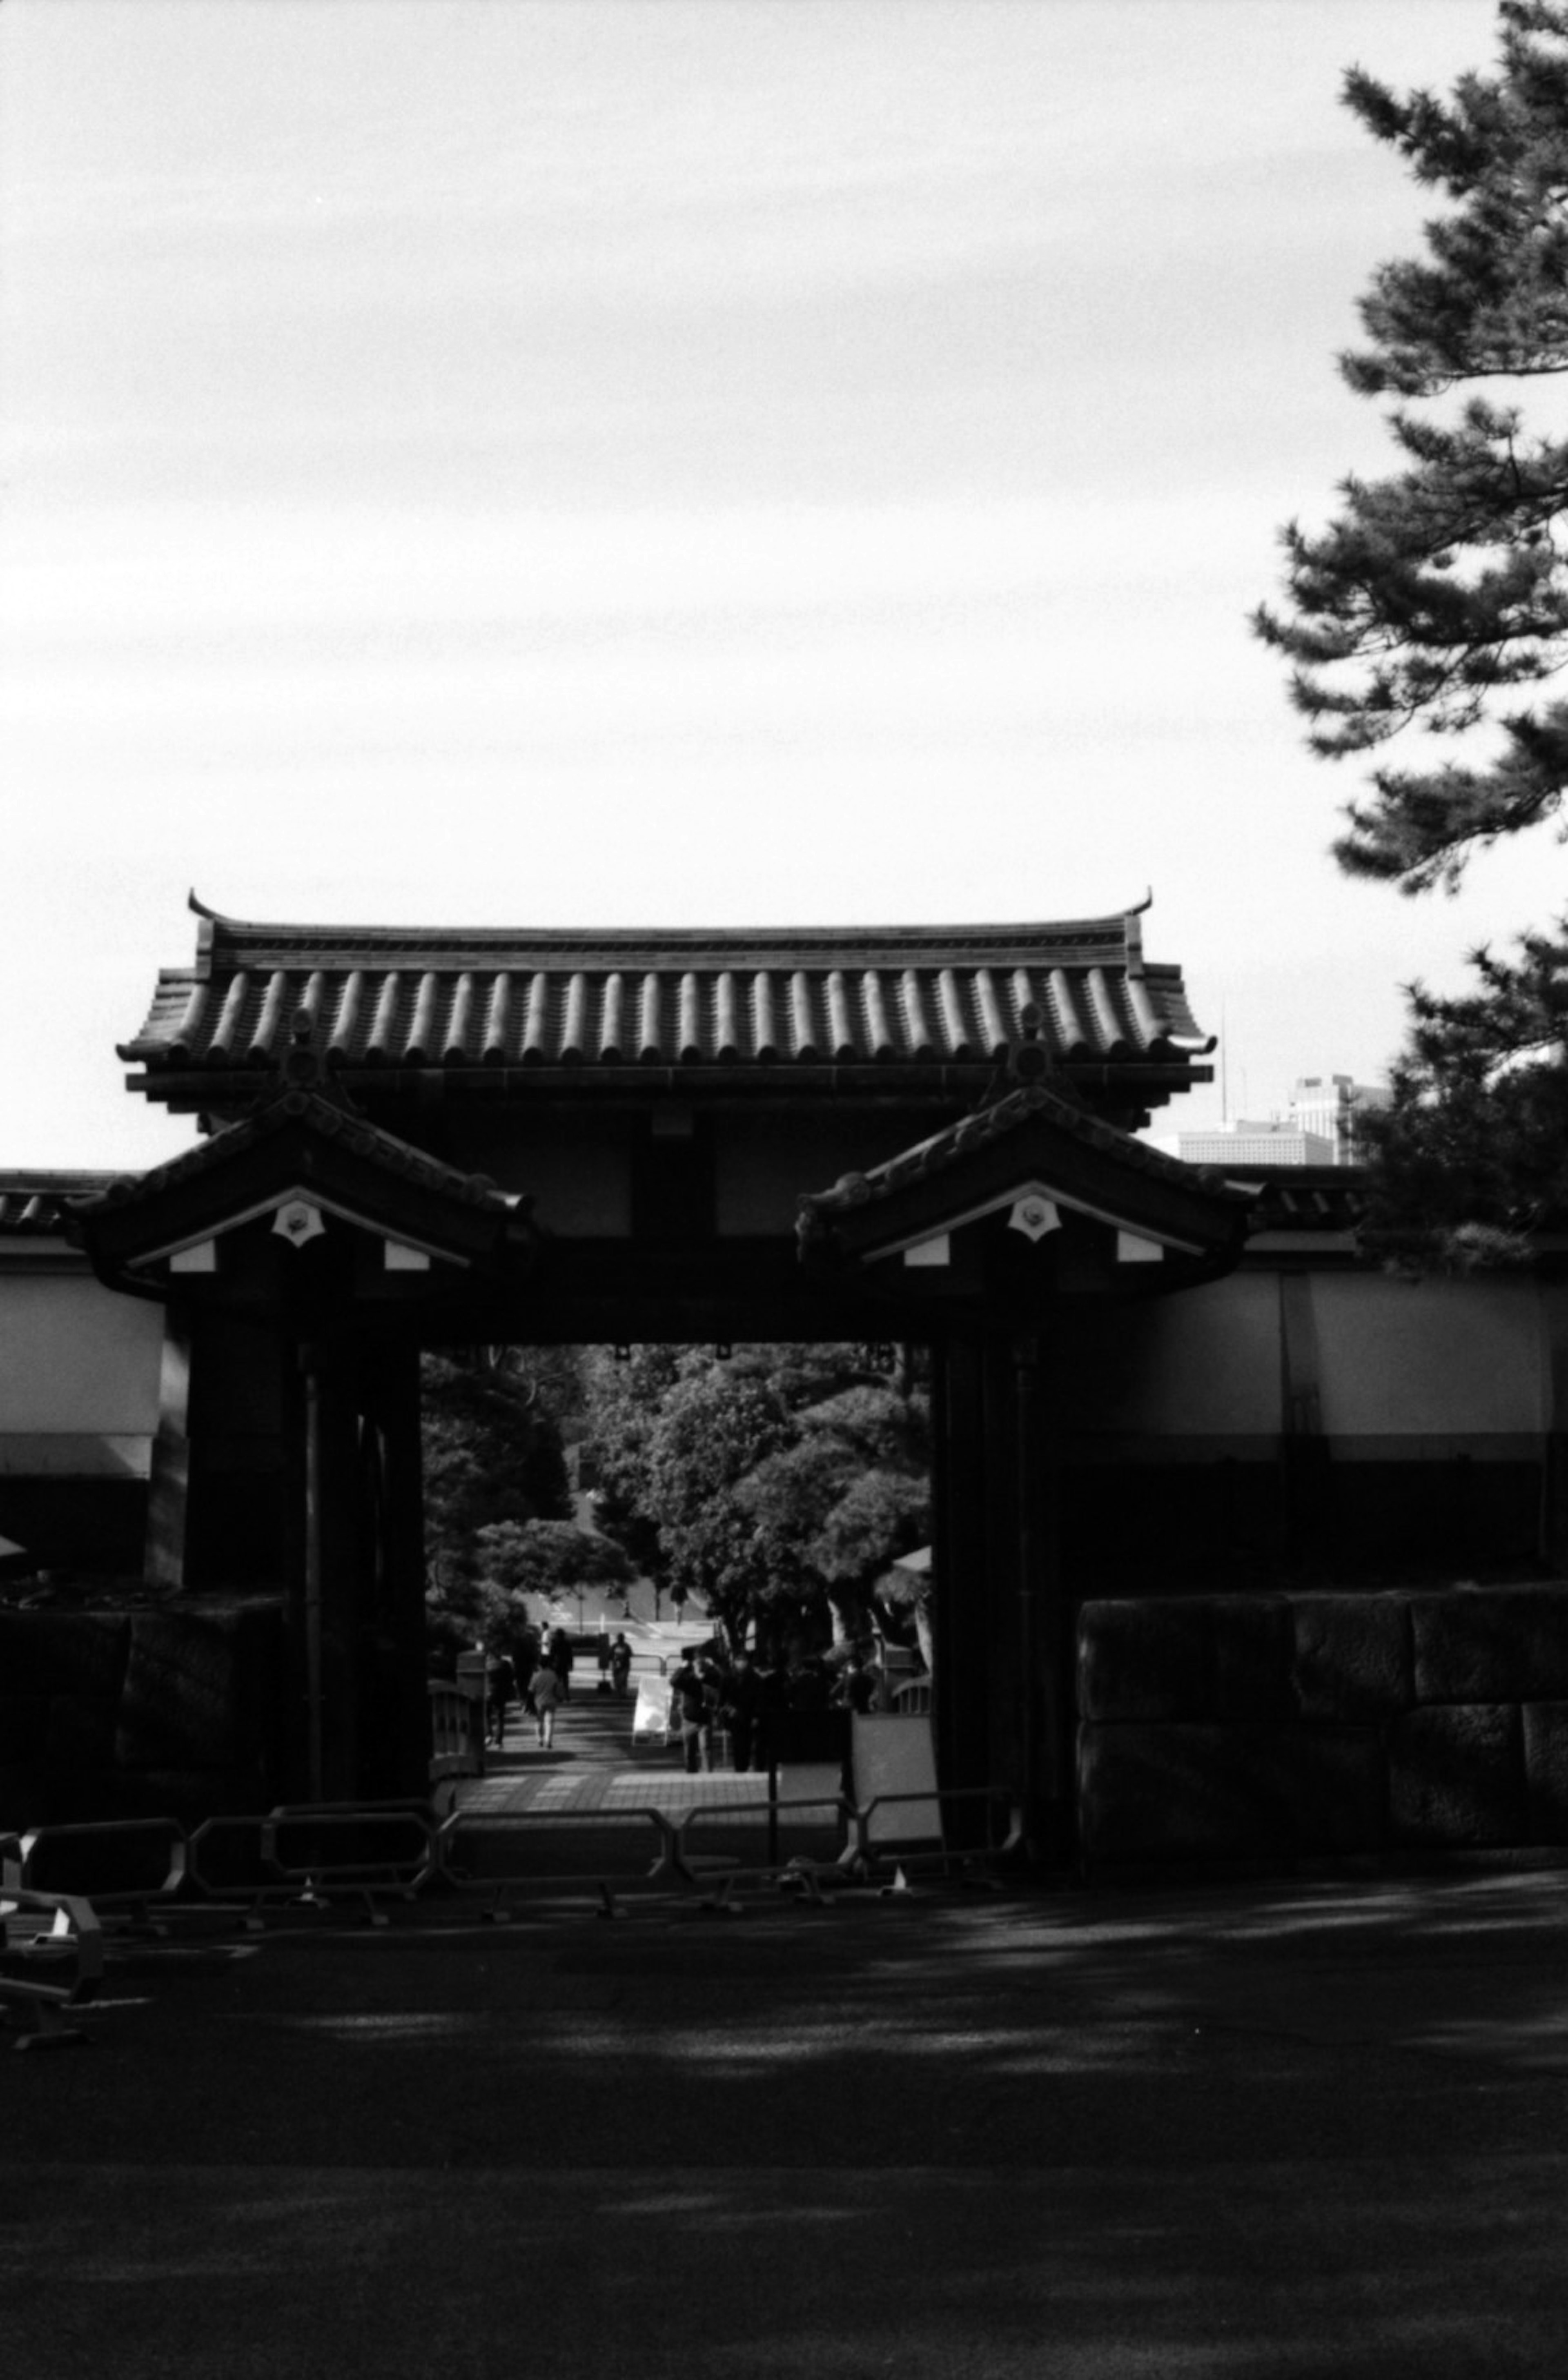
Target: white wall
(79,1375)
(1438,1358)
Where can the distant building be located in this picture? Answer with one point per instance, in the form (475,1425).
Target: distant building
(1274,1142)
(1331,1106)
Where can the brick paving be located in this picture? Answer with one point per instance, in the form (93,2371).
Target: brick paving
(591,1774)
(593,1767)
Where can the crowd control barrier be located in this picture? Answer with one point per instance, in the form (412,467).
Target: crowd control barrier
(146,1873)
(135,1868)
(51,1956)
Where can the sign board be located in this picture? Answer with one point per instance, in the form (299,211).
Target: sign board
(897,1755)
(650,1720)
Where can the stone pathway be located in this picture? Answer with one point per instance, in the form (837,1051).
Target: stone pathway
(593,1767)
(590,1780)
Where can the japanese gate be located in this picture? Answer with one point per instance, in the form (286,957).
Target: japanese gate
(417,1137)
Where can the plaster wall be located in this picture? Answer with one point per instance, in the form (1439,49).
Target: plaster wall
(1203,1364)
(79,1375)
(1440,1359)
(1401,1371)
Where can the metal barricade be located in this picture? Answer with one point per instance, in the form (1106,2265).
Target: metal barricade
(318,1850)
(40,1932)
(96,1859)
(764,1838)
(858,1856)
(927,1849)
(556,1832)
(306,1855)
(456,1731)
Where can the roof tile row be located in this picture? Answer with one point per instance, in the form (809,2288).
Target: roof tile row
(433,1016)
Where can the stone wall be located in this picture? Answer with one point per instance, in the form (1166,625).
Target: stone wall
(1281,1726)
(130,1713)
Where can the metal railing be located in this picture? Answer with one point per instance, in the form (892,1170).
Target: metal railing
(50,1955)
(308,1857)
(457,1735)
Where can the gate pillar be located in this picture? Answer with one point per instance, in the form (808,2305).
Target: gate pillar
(356,1575)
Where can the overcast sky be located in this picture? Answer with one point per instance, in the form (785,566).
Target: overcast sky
(627,462)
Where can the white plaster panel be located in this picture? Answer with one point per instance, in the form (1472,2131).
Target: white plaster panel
(76,1358)
(1204,1363)
(1436,1357)
(76,1454)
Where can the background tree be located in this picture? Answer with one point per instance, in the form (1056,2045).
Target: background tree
(774,1484)
(849,1493)
(492,1455)
(1432,599)
(529,1564)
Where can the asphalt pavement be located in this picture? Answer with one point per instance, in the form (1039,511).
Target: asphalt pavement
(1299,2128)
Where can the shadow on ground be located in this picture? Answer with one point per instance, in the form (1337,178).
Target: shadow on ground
(1308,2132)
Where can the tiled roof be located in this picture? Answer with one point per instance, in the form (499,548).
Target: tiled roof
(328,1120)
(37,1203)
(428,997)
(299,1142)
(995,1123)
(1329,1199)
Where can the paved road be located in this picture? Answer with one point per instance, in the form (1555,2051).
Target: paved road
(595,1790)
(1306,2130)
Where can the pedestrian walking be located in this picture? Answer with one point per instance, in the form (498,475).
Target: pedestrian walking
(620,1665)
(693,1697)
(501,1686)
(560,1659)
(547,1692)
(740,1701)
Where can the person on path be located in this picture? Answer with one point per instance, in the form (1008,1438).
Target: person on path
(692,1699)
(547,1692)
(560,1659)
(856,1688)
(501,1685)
(620,1665)
(524,1660)
(740,1703)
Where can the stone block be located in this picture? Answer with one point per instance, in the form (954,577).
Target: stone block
(1253,1642)
(1546,1770)
(1339,1790)
(190,1698)
(1491,1644)
(24,1729)
(82,1731)
(21,1795)
(1456,1776)
(192,1794)
(188,1795)
(51,1653)
(1148,1658)
(1352,1656)
(1185,1792)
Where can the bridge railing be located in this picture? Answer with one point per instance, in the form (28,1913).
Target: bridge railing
(457,1722)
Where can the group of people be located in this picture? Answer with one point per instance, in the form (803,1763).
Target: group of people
(538,1672)
(748,1700)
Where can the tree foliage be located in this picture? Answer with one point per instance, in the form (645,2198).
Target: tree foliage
(1435,606)
(775,1484)
(492,1458)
